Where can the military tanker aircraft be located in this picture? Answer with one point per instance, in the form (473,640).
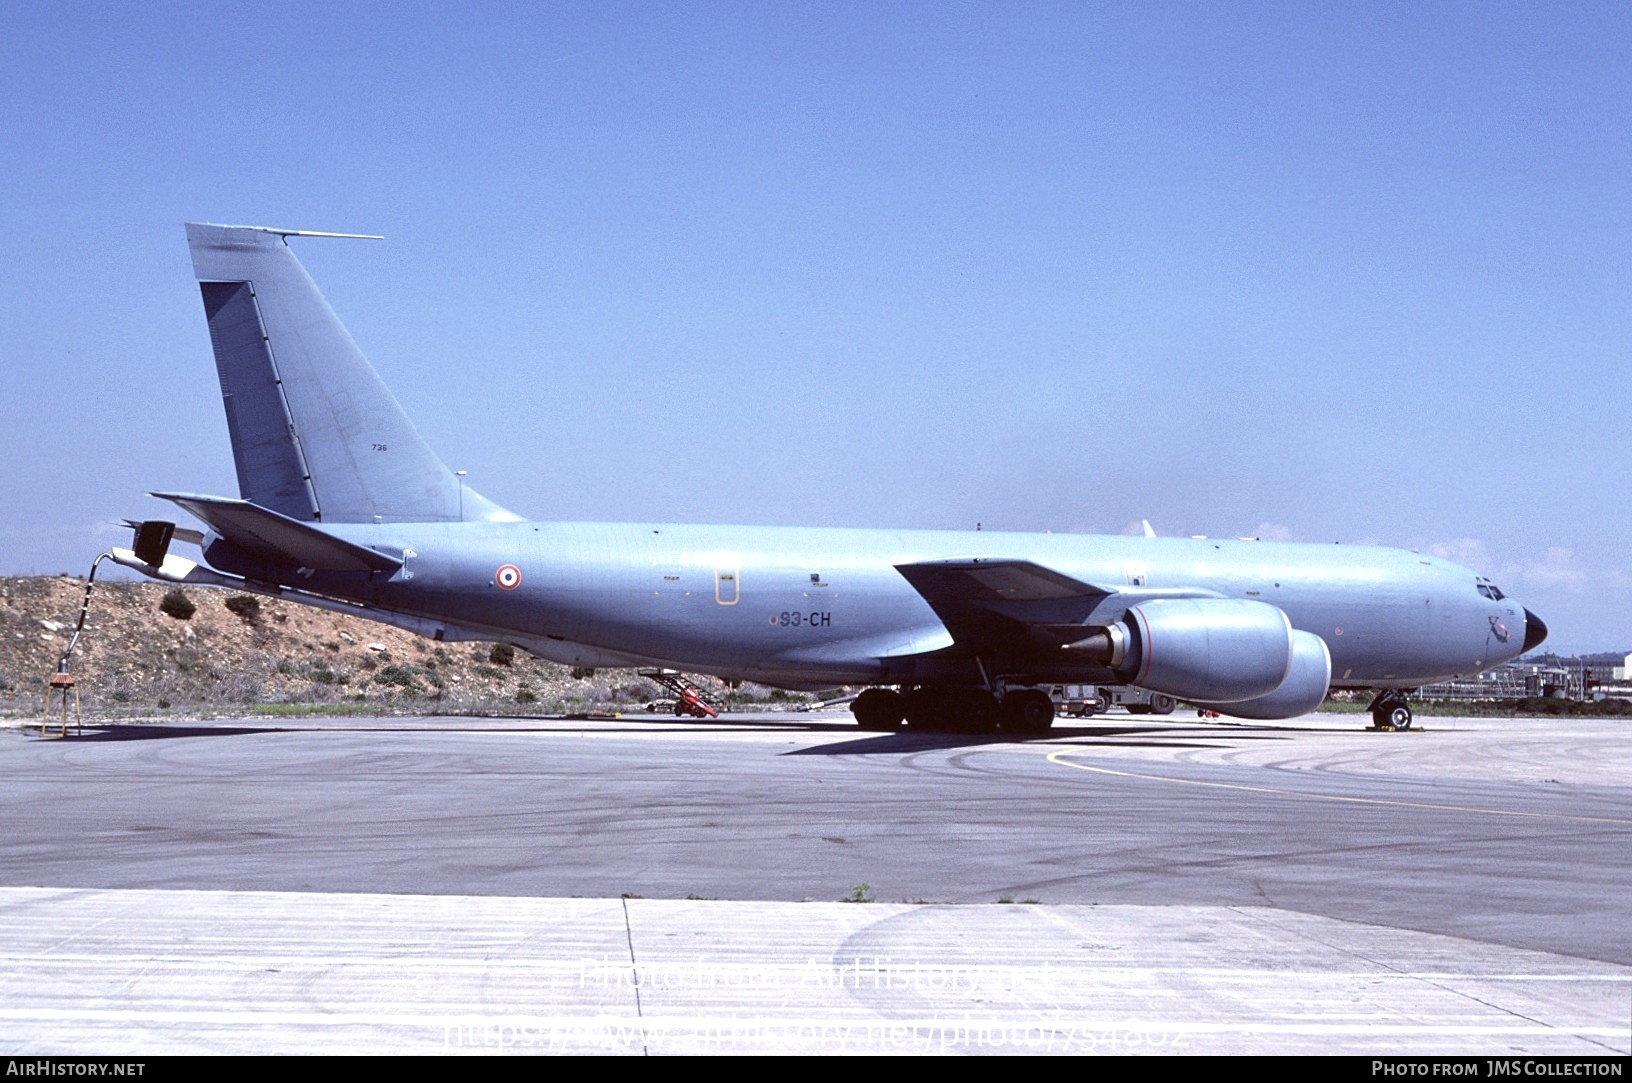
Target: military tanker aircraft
(342,505)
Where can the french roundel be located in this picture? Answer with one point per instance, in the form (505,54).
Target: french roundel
(508,577)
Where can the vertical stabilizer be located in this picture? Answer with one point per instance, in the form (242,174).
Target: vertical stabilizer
(316,436)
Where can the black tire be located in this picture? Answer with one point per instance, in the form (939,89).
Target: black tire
(928,710)
(878,709)
(978,713)
(1160,704)
(1027,711)
(1391,716)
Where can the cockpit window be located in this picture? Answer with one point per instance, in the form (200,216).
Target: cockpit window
(1490,590)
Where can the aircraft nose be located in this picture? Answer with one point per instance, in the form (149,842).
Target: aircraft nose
(1534,631)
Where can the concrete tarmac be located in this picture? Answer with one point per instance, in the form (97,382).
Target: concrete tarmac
(1123,885)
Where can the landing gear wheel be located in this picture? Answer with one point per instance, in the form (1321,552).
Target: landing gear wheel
(1160,704)
(1027,711)
(951,710)
(879,709)
(1391,713)
(977,714)
(929,709)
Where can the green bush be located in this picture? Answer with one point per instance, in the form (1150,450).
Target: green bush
(246,606)
(502,654)
(395,675)
(178,605)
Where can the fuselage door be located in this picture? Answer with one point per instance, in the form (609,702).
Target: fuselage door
(725,584)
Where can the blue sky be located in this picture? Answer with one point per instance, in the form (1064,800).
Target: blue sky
(1352,273)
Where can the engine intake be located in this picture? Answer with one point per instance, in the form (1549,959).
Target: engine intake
(1208,650)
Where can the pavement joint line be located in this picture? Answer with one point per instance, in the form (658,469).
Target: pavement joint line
(1058,757)
(951,1021)
(629,939)
(577,966)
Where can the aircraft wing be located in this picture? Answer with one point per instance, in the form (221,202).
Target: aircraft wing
(274,537)
(992,603)
(989,603)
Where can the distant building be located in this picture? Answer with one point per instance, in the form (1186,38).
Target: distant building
(1542,675)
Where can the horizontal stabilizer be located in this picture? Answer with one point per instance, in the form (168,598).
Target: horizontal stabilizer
(181,534)
(273,537)
(176,569)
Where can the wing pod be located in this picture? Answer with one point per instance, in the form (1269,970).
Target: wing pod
(1213,650)
(1303,690)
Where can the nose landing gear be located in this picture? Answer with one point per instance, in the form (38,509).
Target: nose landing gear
(1390,711)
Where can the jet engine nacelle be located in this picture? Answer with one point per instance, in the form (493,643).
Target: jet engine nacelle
(1212,650)
(1303,690)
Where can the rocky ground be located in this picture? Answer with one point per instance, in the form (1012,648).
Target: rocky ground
(239,653)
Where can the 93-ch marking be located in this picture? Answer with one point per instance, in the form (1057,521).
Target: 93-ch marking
(794,619)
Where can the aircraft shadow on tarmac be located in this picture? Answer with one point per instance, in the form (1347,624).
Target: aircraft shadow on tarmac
(865,742)
(908,740)
(1120,737)
(117,732)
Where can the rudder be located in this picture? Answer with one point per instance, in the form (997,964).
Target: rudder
(316,435)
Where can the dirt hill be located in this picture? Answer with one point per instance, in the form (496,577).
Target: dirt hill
(238,653)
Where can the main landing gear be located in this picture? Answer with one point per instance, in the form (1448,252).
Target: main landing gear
(1391,711)
(879,709)
(953,709)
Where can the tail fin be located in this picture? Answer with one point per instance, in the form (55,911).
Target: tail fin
(316,436)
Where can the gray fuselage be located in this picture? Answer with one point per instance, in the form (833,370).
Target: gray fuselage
(806,607)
